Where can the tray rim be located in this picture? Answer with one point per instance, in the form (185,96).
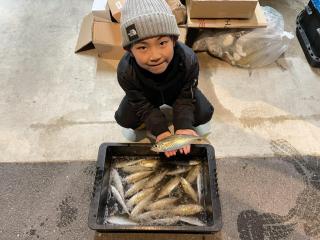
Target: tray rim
(97,187)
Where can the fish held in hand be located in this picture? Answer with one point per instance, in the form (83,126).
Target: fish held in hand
(176,141)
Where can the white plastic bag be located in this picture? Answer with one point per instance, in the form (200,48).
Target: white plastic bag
(248,48)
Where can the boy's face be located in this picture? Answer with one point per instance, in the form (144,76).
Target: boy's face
(154,54)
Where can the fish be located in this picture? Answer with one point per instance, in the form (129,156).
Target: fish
(192,175)
(118,197)
(138,197)
(141,205)
(186,209)
(116,180)
(146,216)
(137,176)
(167,189)
(148,163)
(135,169)
(188,189)
(164,203)
(120,220)
(192,221)
(176,141)
(199,187)
(164,221)
(127,163)
(136,187)
(179,170)
(156,179)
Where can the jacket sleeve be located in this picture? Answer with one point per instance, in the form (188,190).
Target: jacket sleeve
(183,108)
(153,118)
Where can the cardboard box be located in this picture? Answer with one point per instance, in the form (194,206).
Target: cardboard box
(104,36)
(258,20)
(101,11)
(222,8)
(115,8)
(107,40)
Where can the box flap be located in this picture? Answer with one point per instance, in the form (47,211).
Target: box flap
(258,20)
(85,36)
(107,40)
(115,8)
(242,9)
(100,10)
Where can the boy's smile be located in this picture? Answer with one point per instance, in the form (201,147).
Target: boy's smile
(154,54)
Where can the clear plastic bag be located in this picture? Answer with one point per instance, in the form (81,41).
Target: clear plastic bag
(248,48)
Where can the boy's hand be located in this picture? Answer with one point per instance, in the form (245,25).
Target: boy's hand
(187,148)
(163,136)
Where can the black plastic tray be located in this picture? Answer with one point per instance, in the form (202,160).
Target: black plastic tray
(308,33)
(100,189)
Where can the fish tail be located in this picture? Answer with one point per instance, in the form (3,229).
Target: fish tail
(204,137)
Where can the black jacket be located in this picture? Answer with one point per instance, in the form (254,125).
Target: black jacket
(175,87)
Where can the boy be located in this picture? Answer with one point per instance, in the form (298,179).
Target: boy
(158,70)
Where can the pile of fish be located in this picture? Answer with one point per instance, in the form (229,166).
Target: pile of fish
(152,193)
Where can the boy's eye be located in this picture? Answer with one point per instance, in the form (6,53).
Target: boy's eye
(141,48)
(163,42)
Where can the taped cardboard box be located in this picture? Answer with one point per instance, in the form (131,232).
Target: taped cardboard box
(104,36)
(101,11)
(222,8)
(258,20)
(115,8)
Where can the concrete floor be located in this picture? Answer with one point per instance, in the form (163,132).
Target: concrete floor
(57,108)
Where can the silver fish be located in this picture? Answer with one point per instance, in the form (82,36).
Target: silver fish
(116,180)
(119,220)
(175,142)
(164,203)
(192,221)
(141,205)
(199,187)
(137,176)
(127,163)
(192,175)
(148,163)
(138,197)
(179,170)
(156,179)
(167,189)
(135,169)
(164,221)
(118,197)
(136,187)
(146,216)
(186,209)
(188,189)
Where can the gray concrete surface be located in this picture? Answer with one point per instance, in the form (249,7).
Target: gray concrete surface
(57,108)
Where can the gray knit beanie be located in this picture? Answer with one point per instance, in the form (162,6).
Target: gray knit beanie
(141,19)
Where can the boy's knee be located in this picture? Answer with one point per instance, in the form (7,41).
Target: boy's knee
(126,122)
(205,115)
(209,113)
